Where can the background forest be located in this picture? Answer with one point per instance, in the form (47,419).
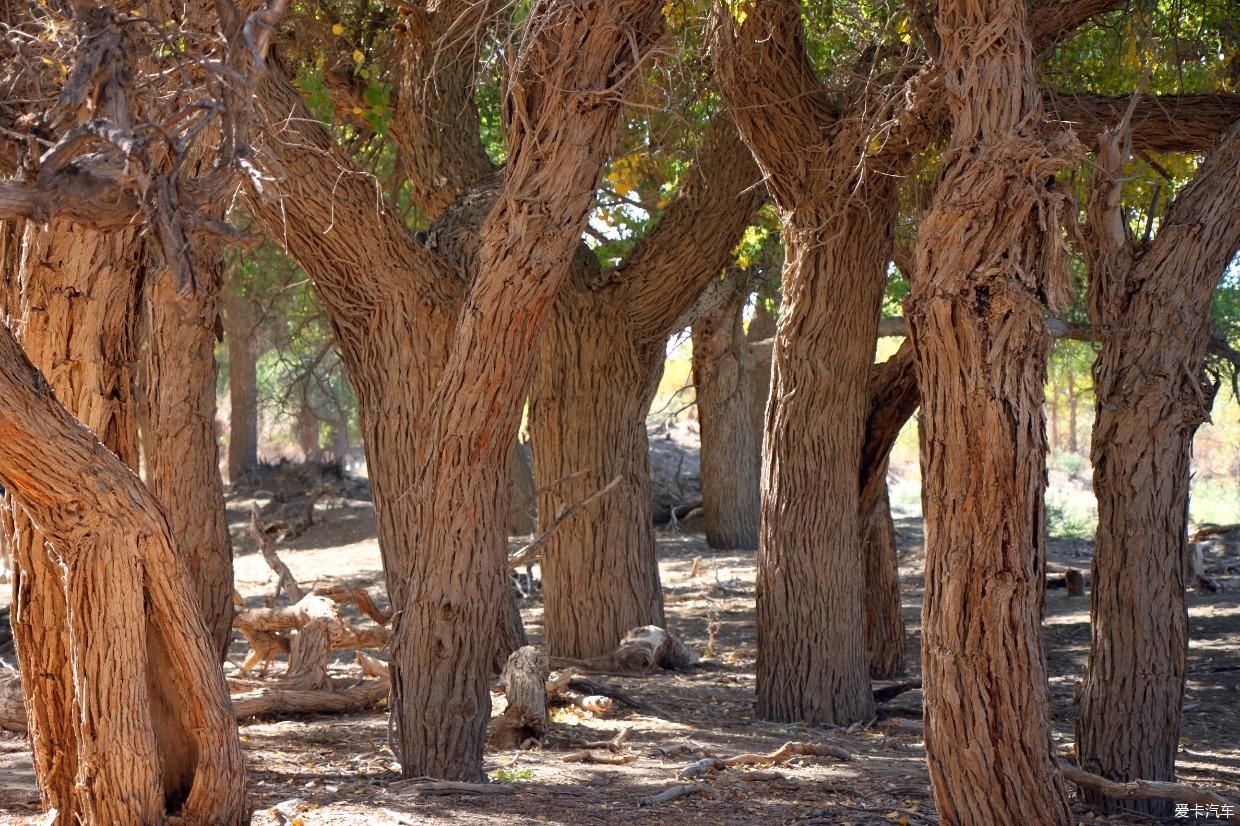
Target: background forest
(620,411)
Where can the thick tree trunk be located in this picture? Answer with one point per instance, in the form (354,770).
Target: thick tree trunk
(183,463)
(731,464)
(308,432)
(884,624)
(987,266)
(521,518)
(72,301)
(242,384)
(811,572)
(588,407)
(761,328)
(1152,392)
(154,698)
(557,139)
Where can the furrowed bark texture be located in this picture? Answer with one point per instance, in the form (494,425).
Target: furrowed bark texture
(837,231)
(884,624)
(183,453)
(137,649)
(563,90)
(72,301)
(989,261)
(731,464)
(239,330)
(1151,308)
(600,359)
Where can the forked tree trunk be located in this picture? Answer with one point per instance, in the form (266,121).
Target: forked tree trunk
(72,301)
(1152,392)
(730,461)
(557,139)
(239,331)
(884,623)
(987,266)
(183,462)
(155,699)
(600,574)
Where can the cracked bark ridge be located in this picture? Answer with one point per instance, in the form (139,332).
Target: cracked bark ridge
(989,264)
(1150,307)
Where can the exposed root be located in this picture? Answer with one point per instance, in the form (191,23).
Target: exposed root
(1148,789)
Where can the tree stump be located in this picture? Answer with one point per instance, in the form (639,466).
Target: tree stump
(525,687)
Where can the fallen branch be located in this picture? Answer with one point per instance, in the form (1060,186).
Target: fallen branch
(1147,789)
(785,752)
(286,701)
(431,787)
(673,792)
(529,554)
(598,756)
(889,692)
(287,582)
(640,652)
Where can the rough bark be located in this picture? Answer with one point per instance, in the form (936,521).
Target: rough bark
(137,650)
(183,453)
(837,230)
(559,127)
(239,330)
(525,688)
(884,624)
(761,328)
(988,264)
(521,519)
(731,463)
(599,364)
(72,301)
(1151,308)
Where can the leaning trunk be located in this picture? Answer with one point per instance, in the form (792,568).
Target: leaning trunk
(183,462)
(1152,392)
(588,406)
(730,462)
(156,703)
(811,573)
(988,264)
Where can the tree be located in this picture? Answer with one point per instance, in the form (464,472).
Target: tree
(153,732)
(730,459)
(1150,306)
(560,124)
(240,328)
(987,269)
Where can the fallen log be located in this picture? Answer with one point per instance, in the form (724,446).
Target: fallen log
(640,652)
(279,701)
(682,790)
(598,756)
(433,787)
(1149,789)
(1066,576)
(524,720)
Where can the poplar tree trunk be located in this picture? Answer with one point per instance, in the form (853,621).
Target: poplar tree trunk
(183,460)
(730,461)
(557,139)
(72,301)
(154,732)
(884,622)
(988,265)
(600,574)
(761,328)
(1152,308)
(242,385)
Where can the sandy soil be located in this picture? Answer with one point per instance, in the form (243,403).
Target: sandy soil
(337,770)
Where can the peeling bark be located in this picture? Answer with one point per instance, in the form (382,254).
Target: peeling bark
(988,266)
(1151,309)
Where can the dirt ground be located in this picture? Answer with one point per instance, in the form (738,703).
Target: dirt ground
(337,770)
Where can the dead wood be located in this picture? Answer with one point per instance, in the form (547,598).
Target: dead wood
(12,706)
(287,582)
(785,752)
(312,499)
(1065,576)
(525,687)
(279,701)
(529,554)
(343,594)
(433,787)
(682,790)
(599,757)
(640,652)
(890,692)
(1206,531)
(1147,789)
